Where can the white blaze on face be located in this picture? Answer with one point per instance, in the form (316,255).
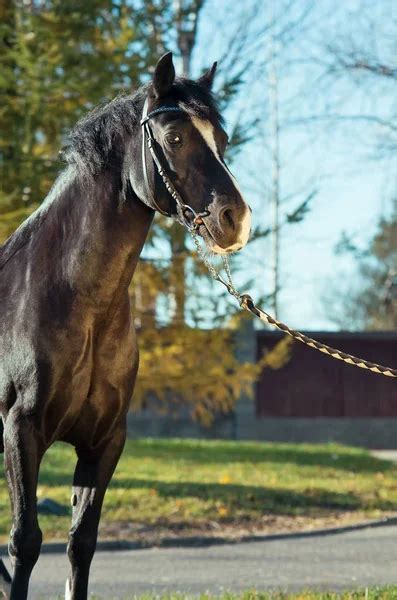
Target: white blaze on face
(206,130)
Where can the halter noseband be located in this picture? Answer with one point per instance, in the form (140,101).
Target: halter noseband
(186,214)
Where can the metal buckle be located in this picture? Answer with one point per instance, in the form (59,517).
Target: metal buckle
(192,219)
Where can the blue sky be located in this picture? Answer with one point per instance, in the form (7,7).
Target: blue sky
(354,189)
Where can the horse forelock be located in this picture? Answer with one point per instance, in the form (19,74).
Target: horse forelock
(197,100)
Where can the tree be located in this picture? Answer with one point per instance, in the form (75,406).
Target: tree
(370,302)
(357,68)
(199,372)
(58,60)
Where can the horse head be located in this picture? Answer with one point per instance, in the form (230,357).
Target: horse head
(184,131)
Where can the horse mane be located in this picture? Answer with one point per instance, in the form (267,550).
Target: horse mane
(27,229)
(97,140)
(17,240)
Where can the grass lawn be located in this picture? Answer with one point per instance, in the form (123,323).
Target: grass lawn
(185,487)
(388,593)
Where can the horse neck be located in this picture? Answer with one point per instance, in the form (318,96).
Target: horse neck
(98,234)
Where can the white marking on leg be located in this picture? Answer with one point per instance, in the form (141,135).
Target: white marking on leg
(206,130)
(68,590)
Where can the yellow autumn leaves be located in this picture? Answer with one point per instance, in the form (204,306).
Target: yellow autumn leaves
(197,369)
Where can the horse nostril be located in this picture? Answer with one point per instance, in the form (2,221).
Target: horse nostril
(226,215)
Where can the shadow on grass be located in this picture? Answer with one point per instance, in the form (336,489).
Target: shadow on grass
(59,463)
(275,500)
(225,452)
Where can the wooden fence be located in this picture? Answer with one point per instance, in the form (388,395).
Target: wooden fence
(314,385)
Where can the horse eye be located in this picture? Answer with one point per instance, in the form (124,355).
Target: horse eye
(174,139)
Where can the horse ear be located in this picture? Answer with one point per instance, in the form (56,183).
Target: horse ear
(207,79)
(164,75)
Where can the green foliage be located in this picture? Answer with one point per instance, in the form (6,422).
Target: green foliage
(376,593)
(372,302)
(300,212)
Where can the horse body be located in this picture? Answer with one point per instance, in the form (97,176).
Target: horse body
(68,352)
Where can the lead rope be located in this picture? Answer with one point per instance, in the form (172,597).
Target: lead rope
(249,305)
(191,220)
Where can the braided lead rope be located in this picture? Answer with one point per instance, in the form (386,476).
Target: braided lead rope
(248,304)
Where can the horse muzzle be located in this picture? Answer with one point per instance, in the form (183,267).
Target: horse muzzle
(228,227)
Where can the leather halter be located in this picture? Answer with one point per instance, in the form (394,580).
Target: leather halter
(186,215)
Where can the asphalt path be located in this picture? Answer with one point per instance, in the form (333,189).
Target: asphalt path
(333,562)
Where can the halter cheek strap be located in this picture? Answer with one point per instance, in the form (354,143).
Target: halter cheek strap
(147,132)
(186,215)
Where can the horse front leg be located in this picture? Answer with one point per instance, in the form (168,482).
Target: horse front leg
(5,577)
(90,482)
(22,459)
(5,581)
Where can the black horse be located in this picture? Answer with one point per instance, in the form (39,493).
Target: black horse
(68,352)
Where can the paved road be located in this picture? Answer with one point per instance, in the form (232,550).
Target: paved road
(385,454)
(348,560)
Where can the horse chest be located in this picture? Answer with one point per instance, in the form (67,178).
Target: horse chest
(103,370)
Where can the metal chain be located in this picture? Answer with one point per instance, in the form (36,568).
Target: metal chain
(229,277)
(213,272)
